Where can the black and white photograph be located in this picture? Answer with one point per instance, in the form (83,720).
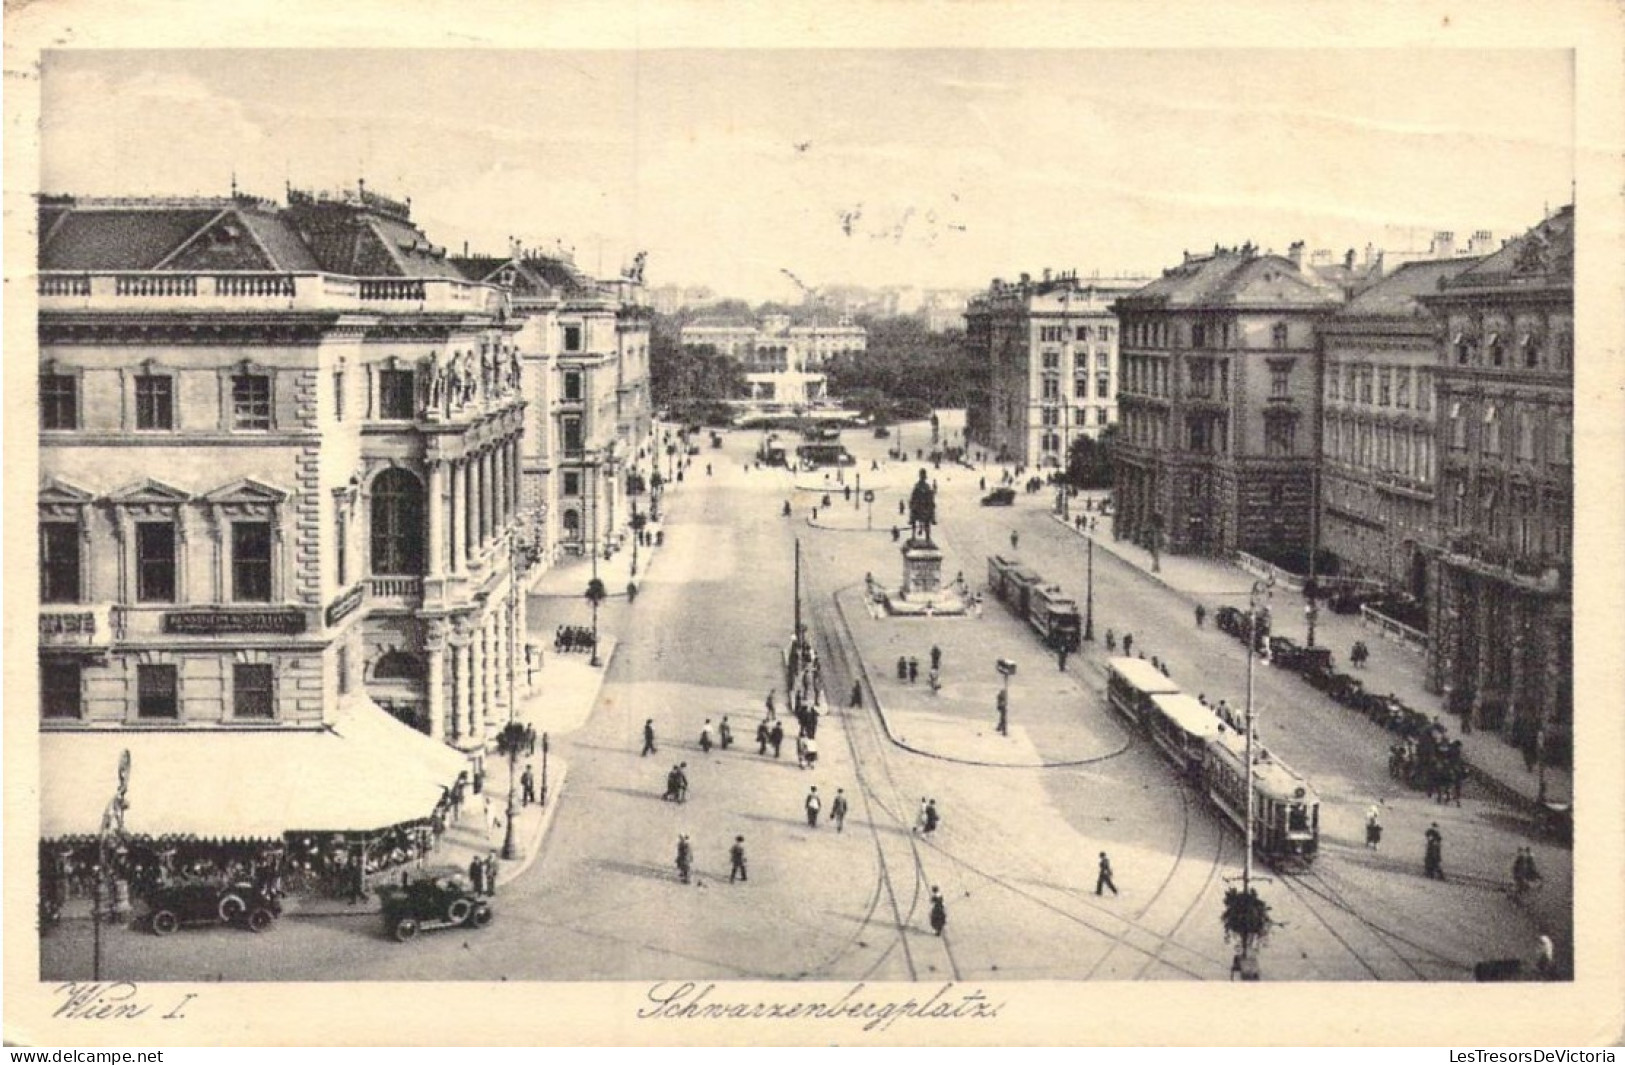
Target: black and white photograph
(847,529)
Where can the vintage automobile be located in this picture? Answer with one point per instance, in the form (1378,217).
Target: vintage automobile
(999,497)
(431,901)
(241,903)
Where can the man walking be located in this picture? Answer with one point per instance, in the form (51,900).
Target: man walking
(491,874)
(939,911)
(685,858)
(682,781)
(1201,614)
(813,804)
(1104,879)
(736,860)
(1433,859)
(527,785)
(856,702)
(1060,657)
(1003,703)
(1373,827)
(932,818)
(776,736)
(705,736)
(913,669)
(837,810)
(648,738)
(1128,644)
(725,733)
(936,658)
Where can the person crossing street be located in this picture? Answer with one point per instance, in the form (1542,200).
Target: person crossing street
(837,810)
(813,805)
(1103,879)
(736,860)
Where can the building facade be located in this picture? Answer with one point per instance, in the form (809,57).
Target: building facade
(281,464)
(783,363)
(1500,607)
(1379,424)
(1051,350)
(1219,404)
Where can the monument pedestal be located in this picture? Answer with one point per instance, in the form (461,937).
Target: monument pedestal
(923,593)
(922,568)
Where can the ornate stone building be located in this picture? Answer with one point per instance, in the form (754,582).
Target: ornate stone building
(1377,448)
(281,466)
(1218,405)
(1050,346)
(1501,590)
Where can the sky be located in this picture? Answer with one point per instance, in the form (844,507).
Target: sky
(929,168)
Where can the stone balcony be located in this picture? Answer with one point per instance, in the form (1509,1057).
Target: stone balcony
(262,292)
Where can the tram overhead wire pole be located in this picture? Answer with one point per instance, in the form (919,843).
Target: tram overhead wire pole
(1259,591)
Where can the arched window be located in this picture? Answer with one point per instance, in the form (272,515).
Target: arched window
(572,525)
(398,665)
(398,529)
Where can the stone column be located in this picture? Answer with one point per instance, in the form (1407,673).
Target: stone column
(1481,660)
(499,659)
(437,517)
(1516,652)
(482,678)
(434,646)
(462,659)
(482,492)
(470,525)
(454,516)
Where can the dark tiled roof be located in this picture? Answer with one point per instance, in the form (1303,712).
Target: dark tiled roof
(120,238)
(280,240)
(1228,278)
(410,249)
(1542,256)
(1395,296)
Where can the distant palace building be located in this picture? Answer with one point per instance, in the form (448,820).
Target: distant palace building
(783,363)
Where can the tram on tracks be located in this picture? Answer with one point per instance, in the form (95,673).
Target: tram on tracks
(1048,610)
(1213,756)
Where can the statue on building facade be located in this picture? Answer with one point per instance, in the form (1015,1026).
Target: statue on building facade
(434,385)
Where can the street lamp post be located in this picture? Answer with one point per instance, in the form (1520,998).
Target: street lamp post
(1260,590)
(1089,595)
(112,828)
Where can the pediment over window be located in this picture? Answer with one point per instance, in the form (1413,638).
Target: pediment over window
(54,491)
(246,491)
(149,493)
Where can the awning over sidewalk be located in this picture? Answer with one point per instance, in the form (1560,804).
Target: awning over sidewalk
(364,772)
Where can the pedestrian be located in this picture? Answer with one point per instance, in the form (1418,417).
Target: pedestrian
(837,809)
(1111,641)
(682,782)
(1201,614)
(685,858)
(705,736)
(491,874)
(1103,879)
(936,657)
(813,805)
(856,701)
(939,911)
(801,751)
(527,784)
(810,751)
(761,736)
(1373,827)
(1128,643)
(1060,658)
(1015,538)
(913,669)
(476,874)
(919,820)
(736,860)
(1545,956)
(1002,700)
(1433,859)
(648,738)
(932,818)
(935,680)
(776,737)
(770,710)
(725,733)
(902,667)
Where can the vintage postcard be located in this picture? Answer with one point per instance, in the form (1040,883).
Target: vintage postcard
(859,523)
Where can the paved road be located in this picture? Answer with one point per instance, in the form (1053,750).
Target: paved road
(1015,857)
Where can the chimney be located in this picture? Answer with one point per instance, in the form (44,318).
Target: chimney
(1294,252)
(1046,273)
(1348,259)
(465,249)
(1482,243)
(1370,252)
(1444,245)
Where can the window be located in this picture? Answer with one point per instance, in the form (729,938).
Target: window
(1052,389)
(1051,334)
(1199,432)
(61,693)
(251,401)
(338,395)
(1565,350)
(1052,416)
(59,562)
(341,668)
(1526,436)
(1458,428)
(572,483)
(1492,430)
(1080,388)
(1083,332)
(1106,334)
(251,561)
(1103,360)
(251,692)
(58,401)
(396,392)
(341,543)
(1402,387)
(1464,348)
(1531,351)
(1334,374)
(1424,391)
(1278,335)
(1385,387)
(1052,360)
(1100,415)
(1497,350)
(1198,335)
(155,561)
(1280,379)
(1365,383)
(572,435)
(1562,441)
(572,386)
(154,401)
(397,524)
(572,338)
(156,692)
(1200,372)
(1279,436)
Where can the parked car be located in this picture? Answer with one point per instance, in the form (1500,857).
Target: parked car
(999,497)
(241,903)
(432,901)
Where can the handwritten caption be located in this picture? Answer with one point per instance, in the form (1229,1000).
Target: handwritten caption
(689,1001)
(114,1001)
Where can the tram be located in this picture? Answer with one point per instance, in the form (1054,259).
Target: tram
(1181,727)
(1131,683)
(1286,810)
(1045,607)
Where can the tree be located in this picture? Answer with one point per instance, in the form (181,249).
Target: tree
(595,595)
(1246,918)
(510,742)
(1089,460)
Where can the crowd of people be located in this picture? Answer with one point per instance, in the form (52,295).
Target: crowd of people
(575,638)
